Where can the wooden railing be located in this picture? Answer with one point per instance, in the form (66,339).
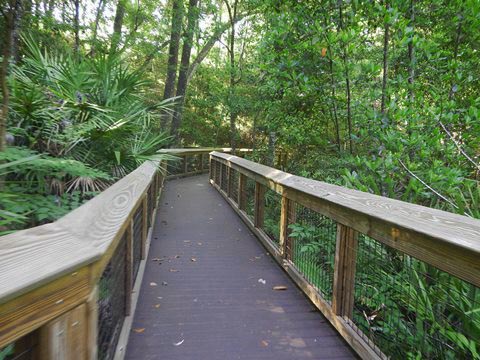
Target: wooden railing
(68,289)
(377,268)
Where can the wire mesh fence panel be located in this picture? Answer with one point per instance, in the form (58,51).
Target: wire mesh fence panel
(311,247)
(217,172)
(410,309)
(234,176)
(24,348)
(224,178)
(175,167)
(192,163)
(111,302)
(137,240)
(249,190)
(205,161)
(272,211)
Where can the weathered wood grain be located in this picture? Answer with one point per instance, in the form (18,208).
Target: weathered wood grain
(448,241)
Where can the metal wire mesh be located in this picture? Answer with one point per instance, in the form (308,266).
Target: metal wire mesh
(272,212)
(205,162)
(234,176)
(175,167)
(249,193)
(137,239)
(311,247)
(111,302)
(192,163)
(410,309)
(24,348)
(217,172)
(224,178)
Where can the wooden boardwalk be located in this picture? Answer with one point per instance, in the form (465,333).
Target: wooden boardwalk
(201,297)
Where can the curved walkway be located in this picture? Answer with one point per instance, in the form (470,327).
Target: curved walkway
(201,297)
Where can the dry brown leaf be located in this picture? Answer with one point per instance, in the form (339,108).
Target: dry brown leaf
(153,284)
(139,330)
(280,287)
(173,270)
(193,259)
(157,306)
(264,343)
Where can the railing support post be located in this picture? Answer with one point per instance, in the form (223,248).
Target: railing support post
(68,336)
(259,204)
(344,271)
(129,268)
(229,182)
(287,209)
(144,226)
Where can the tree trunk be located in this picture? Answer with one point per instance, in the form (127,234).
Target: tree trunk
(232,14)
(117,25)
(10,20)
(347,82)
(193,14)
(98,15)
(386,37)
(76,26)
(411,54)
(176,31)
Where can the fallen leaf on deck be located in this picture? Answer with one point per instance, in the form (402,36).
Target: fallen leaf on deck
(164,283)
(139,330)
(179,343)
(262,281)
(193,259)
(177,256)
(186,241)
(153,284)
(264,343)
(156,259)
(173,270)
(199,243)
(157,306)
(280,287)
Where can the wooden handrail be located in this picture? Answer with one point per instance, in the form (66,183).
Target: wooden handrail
(449,242)
(49,273)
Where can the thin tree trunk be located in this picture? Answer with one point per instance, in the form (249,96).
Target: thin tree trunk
(98,15)
(202,54)
(411,54)
(347,83)
(76,26)
(386,38)
(192,17)
(334,100)
(117,25)
(176,31)
(232,14)
(10,19)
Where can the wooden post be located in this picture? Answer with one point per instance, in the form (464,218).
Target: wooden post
(185,164)
(287,209)
(212,168)
(92,324)
(129,268)
(259,205)
(344,271)
(242,194)
(230,181)
(144,226)
(219,165)
(67,336)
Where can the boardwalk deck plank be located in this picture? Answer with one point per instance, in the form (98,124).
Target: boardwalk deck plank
(215,303)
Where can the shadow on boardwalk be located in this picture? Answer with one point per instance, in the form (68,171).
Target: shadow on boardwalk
(201,297)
